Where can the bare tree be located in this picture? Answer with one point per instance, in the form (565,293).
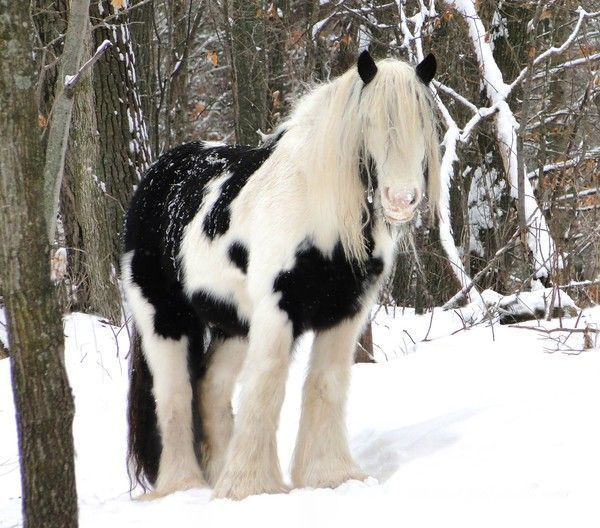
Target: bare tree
(42,394)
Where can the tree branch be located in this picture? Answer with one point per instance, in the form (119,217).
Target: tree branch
(61,113)
(71,81)
(583,14)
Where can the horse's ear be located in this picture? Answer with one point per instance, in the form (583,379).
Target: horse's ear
(426,69)
(366,67)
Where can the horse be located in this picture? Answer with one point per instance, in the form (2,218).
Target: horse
(232,252)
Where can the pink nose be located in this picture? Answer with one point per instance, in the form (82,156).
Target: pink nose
(401,198)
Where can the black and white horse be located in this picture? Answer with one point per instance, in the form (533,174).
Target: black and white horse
(232,252)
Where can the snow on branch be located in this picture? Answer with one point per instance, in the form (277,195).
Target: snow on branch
(539,240)
(72,80)
(567,65)
(592,154)
(452,93)
(583,14)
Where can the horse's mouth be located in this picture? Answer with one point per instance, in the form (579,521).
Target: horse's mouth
(397,218)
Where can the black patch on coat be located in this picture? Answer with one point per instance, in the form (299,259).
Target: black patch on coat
(174,316)
(366,67)
(238,254)
(320,291)
(219,315)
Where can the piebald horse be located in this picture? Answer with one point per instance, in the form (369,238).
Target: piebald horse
(232,252)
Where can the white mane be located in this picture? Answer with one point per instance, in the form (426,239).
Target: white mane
(331,124)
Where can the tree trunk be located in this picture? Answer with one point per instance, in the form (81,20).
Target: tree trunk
(147,53)
(87,215)
(249,76)
(275,37)
(123,136)
(43,399)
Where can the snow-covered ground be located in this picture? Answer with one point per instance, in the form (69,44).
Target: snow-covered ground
(481,427)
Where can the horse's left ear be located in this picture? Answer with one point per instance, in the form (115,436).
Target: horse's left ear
(366,67)
(426,69)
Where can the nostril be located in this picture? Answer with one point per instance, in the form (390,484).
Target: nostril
(386,194)
(414,197)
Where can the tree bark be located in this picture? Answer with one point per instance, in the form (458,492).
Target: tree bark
(147,55)
(180,34)
(43,399)
(123,136)
(87,214)
(249,76)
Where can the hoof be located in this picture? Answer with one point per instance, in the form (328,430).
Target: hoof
(327,476)
(162,490)
(239,485)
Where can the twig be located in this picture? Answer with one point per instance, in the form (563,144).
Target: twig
(121,12)
(553,330)
(457,297)
(409,337)
(430,324)
(72,80)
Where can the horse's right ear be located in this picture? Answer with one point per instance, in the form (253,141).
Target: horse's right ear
(366,67)
(426,69)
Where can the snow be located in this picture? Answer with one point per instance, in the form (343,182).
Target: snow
(472,427)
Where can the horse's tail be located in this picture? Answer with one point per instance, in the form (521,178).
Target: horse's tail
(144,442)
(144,445)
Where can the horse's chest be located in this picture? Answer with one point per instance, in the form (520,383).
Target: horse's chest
(320,291)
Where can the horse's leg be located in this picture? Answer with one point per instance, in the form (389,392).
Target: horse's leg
(168,362)
(252,466)
(322,457)
(216,389)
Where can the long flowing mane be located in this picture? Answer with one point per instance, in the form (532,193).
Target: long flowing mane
(332,126)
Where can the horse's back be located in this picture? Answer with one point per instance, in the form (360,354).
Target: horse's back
(195,183)
(172,191)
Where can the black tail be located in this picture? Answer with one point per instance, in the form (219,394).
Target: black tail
(144,444)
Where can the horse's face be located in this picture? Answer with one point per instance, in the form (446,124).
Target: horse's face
(400,161)
(400,179)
